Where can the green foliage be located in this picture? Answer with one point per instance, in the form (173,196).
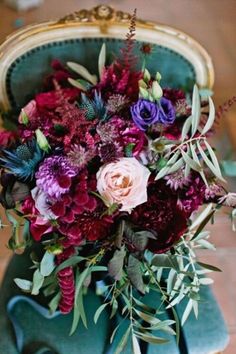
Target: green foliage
(193,151)
(23,284)
(47,264)
(115,266)
(135,274)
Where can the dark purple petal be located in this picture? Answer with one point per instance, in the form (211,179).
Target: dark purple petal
(167,112)
(144,113)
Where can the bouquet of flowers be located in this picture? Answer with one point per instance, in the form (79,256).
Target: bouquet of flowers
(108,175)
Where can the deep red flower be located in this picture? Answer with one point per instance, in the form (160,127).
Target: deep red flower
(93,226)
(38,225)
(162,216)
(191,198)
(7,138)
(66,282)
(173,94)
(118,79)
(47,101)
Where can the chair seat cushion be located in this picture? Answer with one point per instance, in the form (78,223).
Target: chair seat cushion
(207,334)
(38,333)
(27,328)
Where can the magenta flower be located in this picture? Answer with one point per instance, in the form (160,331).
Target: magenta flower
(54,176)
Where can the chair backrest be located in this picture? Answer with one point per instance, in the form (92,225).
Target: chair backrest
(26,55)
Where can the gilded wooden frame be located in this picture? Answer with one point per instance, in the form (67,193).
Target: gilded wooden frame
(102,21)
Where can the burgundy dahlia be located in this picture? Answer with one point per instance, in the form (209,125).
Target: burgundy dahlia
(162,216)
(54,176)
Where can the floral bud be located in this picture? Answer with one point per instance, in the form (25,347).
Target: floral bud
(23,119)
(142,84)
(143,93)
(146,75)
(158,76)
(42,140)
(156,90)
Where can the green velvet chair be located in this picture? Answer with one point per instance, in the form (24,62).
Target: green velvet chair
(25,57)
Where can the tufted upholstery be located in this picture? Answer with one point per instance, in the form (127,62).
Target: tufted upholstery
(175,69)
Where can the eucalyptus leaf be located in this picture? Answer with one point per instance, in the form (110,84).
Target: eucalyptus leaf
(82,71)
(165,170)
(164,261)
(53,304)
(144,306)
(38,279)
(214,159)
(209,163)
(149,338)
(201,217)
(80,281)
(206,244)
(23,284)
(114,308)
(171,280)
(115,265)
(209,266)
(114,332)
(195,308)
(70,262)
(102,60)
(206,281)
(202,225)
(135,345)
(147,318)
(47,264)
(80,305)
(186,128)
(210,119)
(187,311)
(76,311)
(196,110)
(140,239)
(76,84)
(123,341)
(99,311)
(192,163)
(176,166)
(135,274)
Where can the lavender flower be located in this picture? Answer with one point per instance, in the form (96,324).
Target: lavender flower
(54,176)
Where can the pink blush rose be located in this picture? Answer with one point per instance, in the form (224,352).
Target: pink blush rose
(123,182)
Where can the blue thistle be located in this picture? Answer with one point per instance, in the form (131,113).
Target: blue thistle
(22,161)
(94,108)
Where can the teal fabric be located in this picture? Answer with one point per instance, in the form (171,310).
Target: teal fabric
(24,76)
(37,334)
(208,333)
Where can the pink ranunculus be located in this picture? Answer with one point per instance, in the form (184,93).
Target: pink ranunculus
(30,111)
(123,182)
